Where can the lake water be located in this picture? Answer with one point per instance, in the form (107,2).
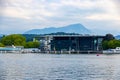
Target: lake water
(59,67)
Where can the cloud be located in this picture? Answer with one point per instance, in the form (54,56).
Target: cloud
(14,13)
(104,17)
(43,13)
(109,12)
(27,9)
(42,9)
(117,3)
(82,4)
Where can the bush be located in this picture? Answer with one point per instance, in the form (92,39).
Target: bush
(32,44)
(1,45)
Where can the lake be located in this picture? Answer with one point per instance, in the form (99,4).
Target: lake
(59,67)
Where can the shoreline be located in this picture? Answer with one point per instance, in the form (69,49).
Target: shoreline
(53,52)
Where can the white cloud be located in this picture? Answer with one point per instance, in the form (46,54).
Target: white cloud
(60,12)
(15,13)
(28,9)
(109,13)
(104,17)
(78,3)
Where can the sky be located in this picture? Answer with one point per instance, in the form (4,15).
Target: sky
(100,16)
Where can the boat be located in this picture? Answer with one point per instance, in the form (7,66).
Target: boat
(112,51)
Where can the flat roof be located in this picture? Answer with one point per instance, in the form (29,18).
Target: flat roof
(85,35)
(74,35)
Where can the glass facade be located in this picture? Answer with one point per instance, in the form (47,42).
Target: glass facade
(76,43)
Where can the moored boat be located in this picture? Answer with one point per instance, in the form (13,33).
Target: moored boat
(112,51)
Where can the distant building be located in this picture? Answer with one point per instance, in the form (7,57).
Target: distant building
(71,42)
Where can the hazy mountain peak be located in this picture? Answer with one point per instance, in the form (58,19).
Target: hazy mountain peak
(72,28)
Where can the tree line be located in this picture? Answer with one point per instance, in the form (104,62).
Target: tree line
(109,42)
(18,40)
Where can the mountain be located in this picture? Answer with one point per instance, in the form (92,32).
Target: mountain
(1,35)
(73,28)
(117,37)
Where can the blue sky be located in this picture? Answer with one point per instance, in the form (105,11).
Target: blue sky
(100,16)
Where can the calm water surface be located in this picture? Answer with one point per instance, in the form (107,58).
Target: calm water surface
(59,67)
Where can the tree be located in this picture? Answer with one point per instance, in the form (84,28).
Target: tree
(14,39)
(109,41)
(105,44)
(114,43)
(32,44)
(110,44)
(1,45)
(109,37)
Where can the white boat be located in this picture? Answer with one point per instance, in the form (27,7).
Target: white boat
(112,51)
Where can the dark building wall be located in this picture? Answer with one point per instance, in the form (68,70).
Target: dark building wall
(86,43)
(60,43)
(76,43)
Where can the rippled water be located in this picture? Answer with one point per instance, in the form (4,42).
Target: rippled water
(59,67)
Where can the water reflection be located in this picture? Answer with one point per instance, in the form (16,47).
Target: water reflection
(59,67)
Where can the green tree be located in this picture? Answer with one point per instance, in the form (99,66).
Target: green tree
(1,45)
(105,44)
(32,44)
(114,43)
(108,41)
(14,39)
(110,44)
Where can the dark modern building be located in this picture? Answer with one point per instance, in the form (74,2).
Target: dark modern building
(76,43)
(72,42)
